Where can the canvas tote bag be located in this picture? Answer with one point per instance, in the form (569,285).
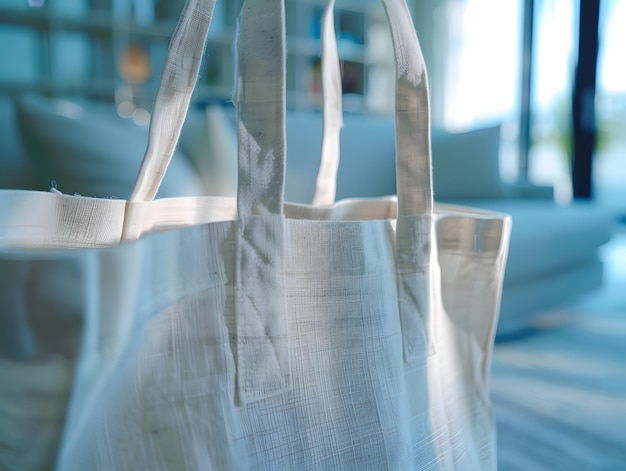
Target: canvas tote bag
(246,333)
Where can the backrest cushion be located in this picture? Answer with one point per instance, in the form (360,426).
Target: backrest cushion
(209,139)
(14,170)
(366,163)
(466,165)
(86,148)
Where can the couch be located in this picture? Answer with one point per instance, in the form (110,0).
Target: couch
(85,148)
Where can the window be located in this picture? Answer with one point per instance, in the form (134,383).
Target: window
(473,50)
(553,65)
(482,66)
(610,157)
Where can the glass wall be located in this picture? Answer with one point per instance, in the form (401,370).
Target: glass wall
(555,46)
(610,158)
(554,56)
(473,50)
(475,63)
(482,65)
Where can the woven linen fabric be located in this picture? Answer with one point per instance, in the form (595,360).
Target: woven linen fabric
(354,403)
(175,396)
(249,333)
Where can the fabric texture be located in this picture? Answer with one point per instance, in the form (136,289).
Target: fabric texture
(246,332)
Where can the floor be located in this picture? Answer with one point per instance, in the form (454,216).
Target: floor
(559,395)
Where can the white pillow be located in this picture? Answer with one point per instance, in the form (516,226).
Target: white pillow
(86,148)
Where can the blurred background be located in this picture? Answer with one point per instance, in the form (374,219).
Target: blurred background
(512,62)
(516,61)
(528,110)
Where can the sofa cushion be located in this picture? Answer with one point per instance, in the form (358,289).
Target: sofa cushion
(548,238)
(209,139)
(466,164)
(87,149)
(366,163)
(14,171)
(367,154)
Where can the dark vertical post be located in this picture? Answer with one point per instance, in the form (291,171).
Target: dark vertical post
(525,119)
(583,106)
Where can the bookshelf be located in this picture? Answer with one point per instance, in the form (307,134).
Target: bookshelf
(113,49)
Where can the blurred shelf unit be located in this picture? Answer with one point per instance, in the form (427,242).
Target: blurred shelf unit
(113,49)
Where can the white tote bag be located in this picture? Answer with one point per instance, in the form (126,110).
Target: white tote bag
(246,333)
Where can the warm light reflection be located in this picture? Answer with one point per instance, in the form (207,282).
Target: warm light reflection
(135,65)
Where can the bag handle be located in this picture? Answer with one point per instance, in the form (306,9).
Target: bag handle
(413,152)
(263,362)
(414,175)
(416,265)
(326,184)
(260,102)
(262,140)
(413,160)
(260,99)
(262,352)
(414,227)
(178,80)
